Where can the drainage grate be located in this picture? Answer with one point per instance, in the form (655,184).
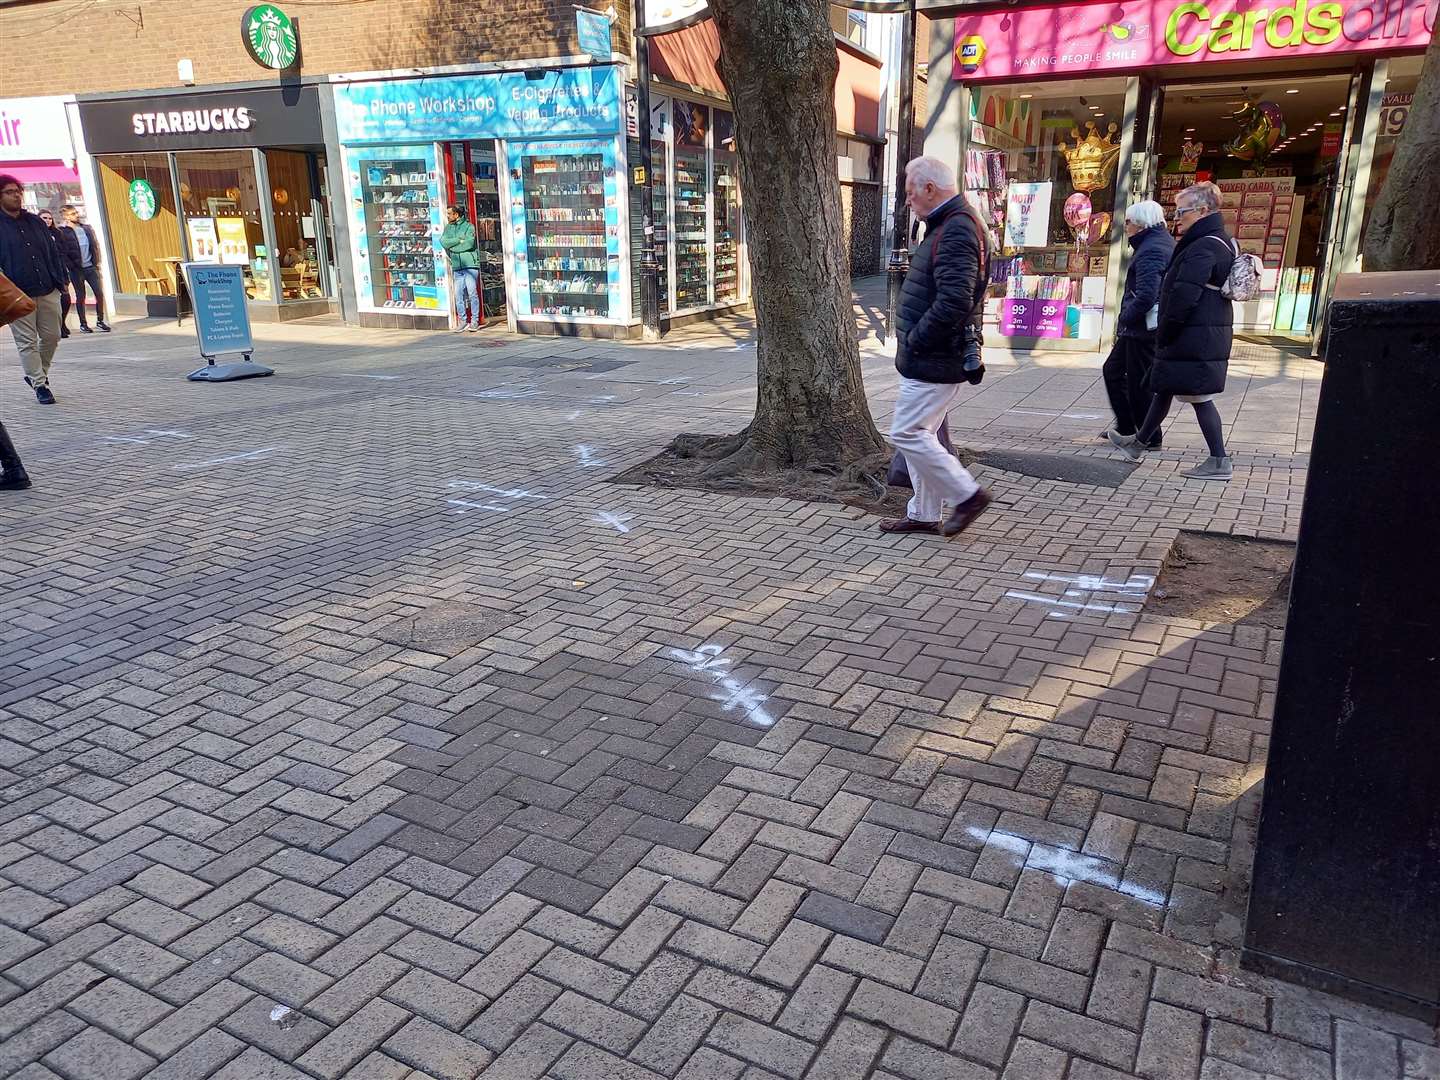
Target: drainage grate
(1067,468)
(448,625)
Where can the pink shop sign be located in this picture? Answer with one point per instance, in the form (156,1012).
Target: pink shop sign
(1078,38)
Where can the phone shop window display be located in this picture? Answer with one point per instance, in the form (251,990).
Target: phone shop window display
(1041,174)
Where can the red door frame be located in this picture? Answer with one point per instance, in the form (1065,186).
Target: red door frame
(469,205)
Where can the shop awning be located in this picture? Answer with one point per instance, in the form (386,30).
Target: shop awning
(53,172)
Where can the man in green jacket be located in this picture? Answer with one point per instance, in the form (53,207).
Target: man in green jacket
(463,251)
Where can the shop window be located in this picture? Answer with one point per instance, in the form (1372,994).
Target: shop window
(692,277)
(298,226)
(1040,169)
(398,239)
(660,203)
(220,204)
(1395,105)
(725,197)
(140,213)
(565,228)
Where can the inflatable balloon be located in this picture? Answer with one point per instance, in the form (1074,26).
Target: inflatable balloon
(1262,126)
(1098,229)
(1077,211)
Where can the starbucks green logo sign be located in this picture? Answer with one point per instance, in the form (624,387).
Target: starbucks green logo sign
(143,203)
(269,36)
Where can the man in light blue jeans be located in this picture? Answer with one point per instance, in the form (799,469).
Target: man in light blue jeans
(463,250)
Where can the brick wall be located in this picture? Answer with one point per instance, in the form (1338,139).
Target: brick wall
(59,46)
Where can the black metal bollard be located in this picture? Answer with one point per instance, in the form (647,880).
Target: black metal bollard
(1346,888)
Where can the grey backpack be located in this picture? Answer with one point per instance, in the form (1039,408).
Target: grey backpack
(1243,281)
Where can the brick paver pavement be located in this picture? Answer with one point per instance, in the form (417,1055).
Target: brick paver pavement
(352,724)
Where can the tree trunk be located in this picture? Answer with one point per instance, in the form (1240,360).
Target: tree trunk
(1404,231)
(778,60)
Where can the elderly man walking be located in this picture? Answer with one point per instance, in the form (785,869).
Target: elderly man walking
(31,259)
(938,314)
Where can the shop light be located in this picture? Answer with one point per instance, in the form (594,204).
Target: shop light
(1027,95)
(1292,91)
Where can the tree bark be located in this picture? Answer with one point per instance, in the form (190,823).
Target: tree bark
(778,60)
(1404,230)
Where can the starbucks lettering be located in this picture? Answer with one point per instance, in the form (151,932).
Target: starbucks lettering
(218,120)
(163,123)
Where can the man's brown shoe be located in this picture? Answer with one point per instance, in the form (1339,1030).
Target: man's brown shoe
(908,525)
(961,517)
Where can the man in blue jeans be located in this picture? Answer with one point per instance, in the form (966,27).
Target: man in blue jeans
(463,250)
(88,272)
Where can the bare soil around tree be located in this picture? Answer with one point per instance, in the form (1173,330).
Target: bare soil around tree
(1217,578)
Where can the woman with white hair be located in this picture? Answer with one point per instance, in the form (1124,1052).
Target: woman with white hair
(1127,368)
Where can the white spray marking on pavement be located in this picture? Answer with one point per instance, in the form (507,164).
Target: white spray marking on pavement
(499,393)
(706,660)
(1057,413)
(1063,865)
(587,457)
(615,521)
(356,375)
(680,381)
(465,506)
(602,399)
(686,393)
(154,433)
(250,456)
(1136,586)
(505,493)
(1055,601)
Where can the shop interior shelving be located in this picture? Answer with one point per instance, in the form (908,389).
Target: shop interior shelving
(727,228)
(396,194)
(565,234)
(692,284)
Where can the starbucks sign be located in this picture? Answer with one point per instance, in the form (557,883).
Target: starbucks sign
(143,203)
(269,36)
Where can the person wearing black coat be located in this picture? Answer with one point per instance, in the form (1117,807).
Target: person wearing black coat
(1195,332)
(65,241)
(1127,368)
(937,320)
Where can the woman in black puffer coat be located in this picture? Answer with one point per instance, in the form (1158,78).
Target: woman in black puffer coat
(1195,332)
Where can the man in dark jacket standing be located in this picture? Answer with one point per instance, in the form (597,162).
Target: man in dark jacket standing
(1127,368)
(88,270)
(1196,328)
(31,259)
(940,303)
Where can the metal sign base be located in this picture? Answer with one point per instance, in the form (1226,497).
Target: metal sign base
(243,369)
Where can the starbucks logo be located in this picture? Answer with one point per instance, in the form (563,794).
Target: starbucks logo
(143,203)
(269,36)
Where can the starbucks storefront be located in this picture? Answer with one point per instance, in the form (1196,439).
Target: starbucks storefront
(226,176)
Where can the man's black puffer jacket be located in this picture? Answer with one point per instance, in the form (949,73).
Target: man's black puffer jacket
(942,294)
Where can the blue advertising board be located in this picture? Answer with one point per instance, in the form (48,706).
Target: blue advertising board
(222,321)
(539,103)
(592,30)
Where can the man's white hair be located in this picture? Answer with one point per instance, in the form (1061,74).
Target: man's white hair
(931,170)
(1146,214)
